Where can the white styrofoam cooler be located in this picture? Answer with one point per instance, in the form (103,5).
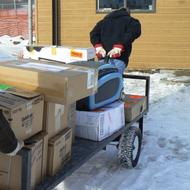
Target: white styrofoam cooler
(59,53)
(97,125)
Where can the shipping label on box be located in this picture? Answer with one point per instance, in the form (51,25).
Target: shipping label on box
(24,113)
(97,125)
(59,117)
(59,151)
(54,115)
(82,54)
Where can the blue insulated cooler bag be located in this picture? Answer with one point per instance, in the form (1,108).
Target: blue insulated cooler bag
(110,85)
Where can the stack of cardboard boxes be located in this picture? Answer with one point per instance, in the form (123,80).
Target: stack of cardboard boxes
(43,118)
(39,101)
(24,112)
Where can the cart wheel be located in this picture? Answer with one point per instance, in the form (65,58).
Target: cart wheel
(130,147)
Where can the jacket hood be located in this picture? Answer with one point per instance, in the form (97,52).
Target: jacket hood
(118,13)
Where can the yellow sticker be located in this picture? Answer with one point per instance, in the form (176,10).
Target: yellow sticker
(53,51)
(75,53)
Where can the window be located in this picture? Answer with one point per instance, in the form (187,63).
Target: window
(133,5)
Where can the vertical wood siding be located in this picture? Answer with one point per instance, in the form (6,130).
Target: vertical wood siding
(165,40)
(44,22)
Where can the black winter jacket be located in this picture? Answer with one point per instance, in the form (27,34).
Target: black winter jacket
(118,27)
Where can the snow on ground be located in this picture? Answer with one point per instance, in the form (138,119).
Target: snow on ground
(10,47)
(165,158)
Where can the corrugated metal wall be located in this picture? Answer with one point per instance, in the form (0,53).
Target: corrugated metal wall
(165,41)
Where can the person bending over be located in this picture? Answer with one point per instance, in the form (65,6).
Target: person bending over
(113,37)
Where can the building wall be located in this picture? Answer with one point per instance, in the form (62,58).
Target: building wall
(165,40)
(43,19)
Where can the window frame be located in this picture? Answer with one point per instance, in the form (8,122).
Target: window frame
(99,11)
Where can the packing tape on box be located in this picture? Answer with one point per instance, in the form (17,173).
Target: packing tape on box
(29,106)
(59,111)
(53,51)
(92,75)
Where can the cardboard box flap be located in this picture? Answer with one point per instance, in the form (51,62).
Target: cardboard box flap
(56,138)
(18,92)
(30,142)
(39,66)
(10,101)
(22,93)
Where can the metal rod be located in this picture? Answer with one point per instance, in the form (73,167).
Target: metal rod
(30,29)
(55,13)
(15,6)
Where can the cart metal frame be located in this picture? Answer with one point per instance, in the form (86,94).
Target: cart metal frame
(82,149)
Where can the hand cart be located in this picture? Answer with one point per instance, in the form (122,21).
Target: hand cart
(83,150)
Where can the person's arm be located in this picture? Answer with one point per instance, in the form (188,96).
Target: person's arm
(95,34)
(95,38)
(133,31)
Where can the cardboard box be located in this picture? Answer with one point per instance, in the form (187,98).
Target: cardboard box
(134,106)
(57,82)
(59,117)
(11,167)
(59,151)
(97,125)
(58,53)
(23,110)
(39,146)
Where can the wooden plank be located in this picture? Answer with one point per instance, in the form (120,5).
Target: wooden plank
(44,22)
(163,52)
(162,45)
(146,17)
(160,59)
(173,10)
(175,3)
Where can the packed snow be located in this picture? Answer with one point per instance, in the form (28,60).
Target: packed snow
(165,158)
(11,47)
